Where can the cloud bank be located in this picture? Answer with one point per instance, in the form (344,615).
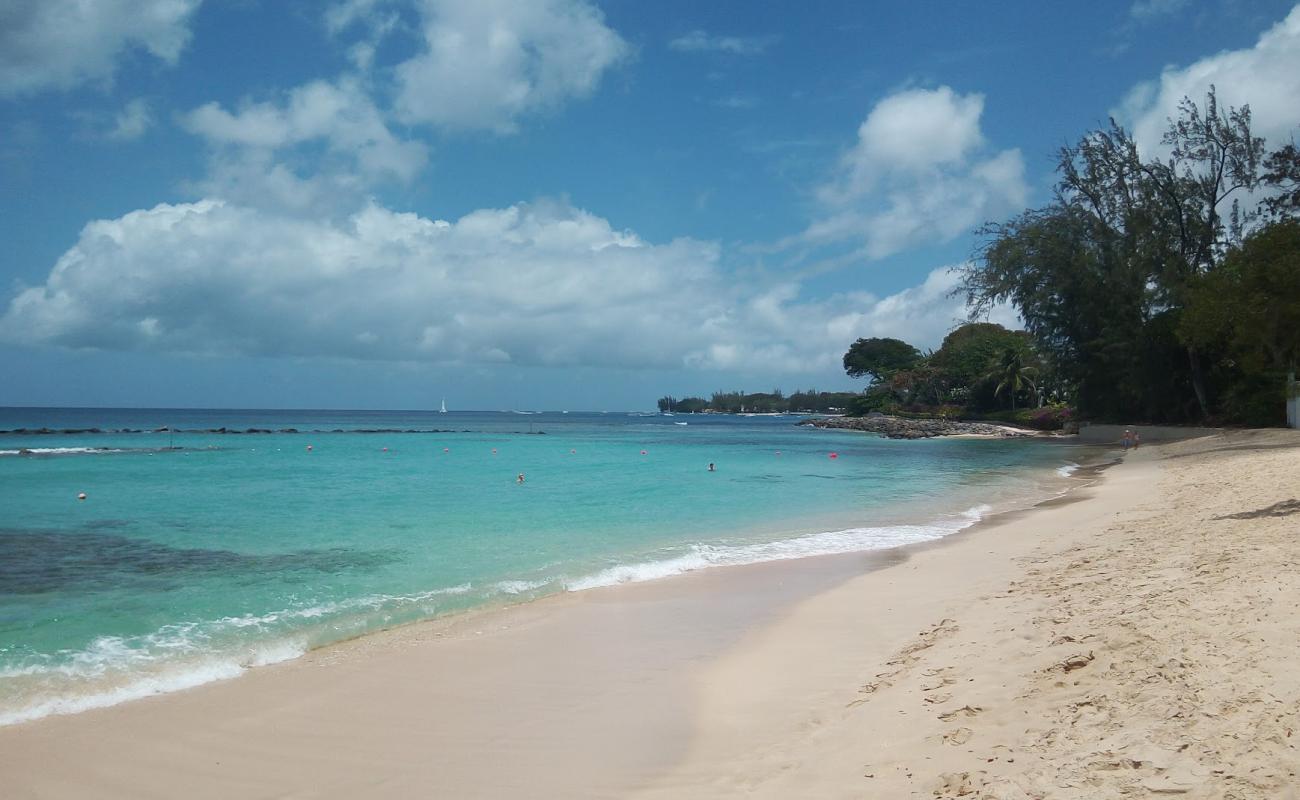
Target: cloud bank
(541,284)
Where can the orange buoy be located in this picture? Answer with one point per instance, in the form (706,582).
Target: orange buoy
(834,455)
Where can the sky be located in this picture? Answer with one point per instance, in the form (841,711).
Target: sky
(544,204)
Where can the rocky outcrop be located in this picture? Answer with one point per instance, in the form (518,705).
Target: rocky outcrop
(905,428)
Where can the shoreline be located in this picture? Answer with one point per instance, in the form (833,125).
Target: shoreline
(755,595)
(892,427)
(827,535)
(540,695)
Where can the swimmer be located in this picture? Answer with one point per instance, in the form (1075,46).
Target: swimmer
(520,479)
(711,469)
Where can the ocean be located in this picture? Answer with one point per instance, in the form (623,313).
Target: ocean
(201,550)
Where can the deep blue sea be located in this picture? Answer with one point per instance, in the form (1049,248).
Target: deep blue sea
(196,555)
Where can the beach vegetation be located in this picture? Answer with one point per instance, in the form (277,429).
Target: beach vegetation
(1156,287)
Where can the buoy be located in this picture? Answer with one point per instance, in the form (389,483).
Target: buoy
(81,496)
(834,455)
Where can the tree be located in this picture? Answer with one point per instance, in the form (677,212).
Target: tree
(965,356)
(1012,373)
(1282,172)
(1101,273)
(1252,302)
(880,359)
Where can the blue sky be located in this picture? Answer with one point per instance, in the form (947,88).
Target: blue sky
(560,204)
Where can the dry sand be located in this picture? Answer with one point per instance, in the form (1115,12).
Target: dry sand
(1136,638)
(1142,641)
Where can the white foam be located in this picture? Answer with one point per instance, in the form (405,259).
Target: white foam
(517,587)
(1067,470)
(174,679)
(850,540)
(57,451)
(116,669)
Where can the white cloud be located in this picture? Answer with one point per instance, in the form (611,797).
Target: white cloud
(132,121)
(1263,76)
(485,63)
(920,171)
(1144,10)
(698,41)
(59,44)
(252,142)
(542,284)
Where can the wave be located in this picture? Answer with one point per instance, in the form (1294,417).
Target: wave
(173,679)
(116,669)
(1067,470)
(850,540)
(59,451)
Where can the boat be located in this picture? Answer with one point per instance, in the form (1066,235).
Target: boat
(443,410)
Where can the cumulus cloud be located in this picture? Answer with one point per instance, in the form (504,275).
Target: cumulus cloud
(59,44)
(698,41)
(132,121)
(543,284)
(341,114)
(920,171)
(485,63)
(1262,76)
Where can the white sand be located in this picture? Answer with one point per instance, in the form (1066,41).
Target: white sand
(1128,644)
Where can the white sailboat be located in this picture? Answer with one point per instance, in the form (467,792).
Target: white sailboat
(443,410)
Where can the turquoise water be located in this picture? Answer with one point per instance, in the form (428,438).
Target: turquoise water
(196,554)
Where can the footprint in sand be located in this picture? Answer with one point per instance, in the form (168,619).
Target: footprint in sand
(964,711)
(958,737)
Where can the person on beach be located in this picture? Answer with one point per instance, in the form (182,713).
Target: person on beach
(1126,439)
(1137,439)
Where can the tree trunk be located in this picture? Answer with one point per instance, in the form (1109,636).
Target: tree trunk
(1198,382)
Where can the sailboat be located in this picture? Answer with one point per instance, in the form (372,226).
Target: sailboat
(443,410)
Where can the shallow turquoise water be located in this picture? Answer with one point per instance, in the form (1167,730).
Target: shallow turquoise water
(189,564)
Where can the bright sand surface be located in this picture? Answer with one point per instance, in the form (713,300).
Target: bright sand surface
(1137,637)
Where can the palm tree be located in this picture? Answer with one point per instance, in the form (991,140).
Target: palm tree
(1012,373)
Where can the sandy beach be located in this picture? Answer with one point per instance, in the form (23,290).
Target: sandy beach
(1136,637)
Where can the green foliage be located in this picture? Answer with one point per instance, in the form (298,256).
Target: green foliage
(687,405)
(966,358)
(1105,275)
(1251,303)
(879,359)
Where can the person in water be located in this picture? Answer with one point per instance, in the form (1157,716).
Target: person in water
(711,469)
(520,479)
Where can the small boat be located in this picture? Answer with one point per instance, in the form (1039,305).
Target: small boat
(443,410)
